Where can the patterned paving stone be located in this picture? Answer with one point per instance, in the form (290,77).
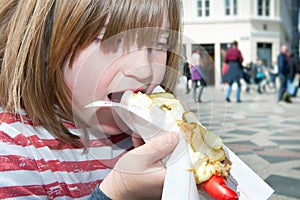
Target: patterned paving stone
(279,152)
(255,116)
(277,159)
(281,197)
(292,141)
(267,127)
(292,122)
(294,132)
(242,148)
(279,134)
(284,186)
(298,168)
(242,132)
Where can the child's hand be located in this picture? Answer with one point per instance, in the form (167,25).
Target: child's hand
(139,174)
(137,140)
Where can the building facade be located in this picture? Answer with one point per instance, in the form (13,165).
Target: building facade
(259,27)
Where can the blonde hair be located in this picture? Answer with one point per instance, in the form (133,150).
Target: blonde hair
(37,37)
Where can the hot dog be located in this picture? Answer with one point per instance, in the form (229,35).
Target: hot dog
(209,161)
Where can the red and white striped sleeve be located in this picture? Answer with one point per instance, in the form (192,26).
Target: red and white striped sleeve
(32,168)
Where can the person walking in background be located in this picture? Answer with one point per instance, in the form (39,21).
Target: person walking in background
(291,87)
(247,76)
(253,70)
(197,83)
(283,71)
(234,60)
(196,75)
(292,68)
(260,77)
(187,74)
(273,71)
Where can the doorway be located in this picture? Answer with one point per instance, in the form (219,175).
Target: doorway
(264,52)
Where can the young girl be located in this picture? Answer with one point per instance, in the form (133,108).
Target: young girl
(57,56)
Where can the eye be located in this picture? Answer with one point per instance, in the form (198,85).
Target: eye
(162,43)
(161,46)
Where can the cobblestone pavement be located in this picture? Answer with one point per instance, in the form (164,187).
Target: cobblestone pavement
(265,134)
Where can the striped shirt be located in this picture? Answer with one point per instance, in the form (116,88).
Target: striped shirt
(33,167)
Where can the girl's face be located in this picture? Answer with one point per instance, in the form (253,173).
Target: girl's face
(96,75)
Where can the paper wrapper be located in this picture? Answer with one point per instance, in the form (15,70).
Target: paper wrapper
(179,182)
(245,181)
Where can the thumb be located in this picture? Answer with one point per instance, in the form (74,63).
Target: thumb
(158,147)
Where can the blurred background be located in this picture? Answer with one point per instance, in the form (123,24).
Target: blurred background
(259,26)
(264,133)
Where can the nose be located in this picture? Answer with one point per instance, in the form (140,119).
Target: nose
(139,65)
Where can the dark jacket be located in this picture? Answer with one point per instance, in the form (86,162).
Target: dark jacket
(186,70)
(283,65)
(292,66)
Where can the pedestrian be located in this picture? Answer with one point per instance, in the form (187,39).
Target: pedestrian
(291,87)
(197,82)
(292,67)
(247,76)
(196,76)
(57,57)
(234,60)
(283,71)
(260,78)
(187,74)
(273,70)
(254,69)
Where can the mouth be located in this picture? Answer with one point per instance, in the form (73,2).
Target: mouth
(117,96)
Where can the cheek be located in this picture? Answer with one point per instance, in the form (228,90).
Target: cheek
(87,74)
(159,66)
(159,74)
(78,73)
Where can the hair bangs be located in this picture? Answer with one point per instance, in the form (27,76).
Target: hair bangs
(138,20)
(142,21)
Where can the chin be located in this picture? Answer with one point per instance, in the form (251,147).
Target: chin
(110,123)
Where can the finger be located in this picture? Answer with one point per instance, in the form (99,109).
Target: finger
(158,148)
(137,140)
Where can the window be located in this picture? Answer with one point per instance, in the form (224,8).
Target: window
(263,7)
(203,9)
(230,7)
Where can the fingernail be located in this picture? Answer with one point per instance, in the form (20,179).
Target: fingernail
(171,137)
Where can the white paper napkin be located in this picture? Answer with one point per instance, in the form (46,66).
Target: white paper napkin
(179,182)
